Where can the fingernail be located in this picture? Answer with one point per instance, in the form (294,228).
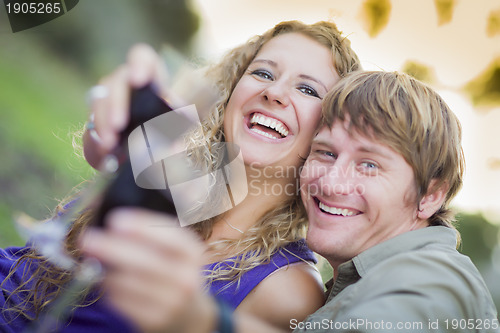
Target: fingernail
(120,219)
(89,239)
(118,120)
(138,79)
(108,141)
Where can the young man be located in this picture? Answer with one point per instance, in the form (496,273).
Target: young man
(383,168)
(377,185)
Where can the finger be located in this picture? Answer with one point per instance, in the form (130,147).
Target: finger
(100,112)
(138,278)
(98,108)
(126,261)
(111,113)
(145,66)
(118,103)
(127,253)
(152,303)
(181,281)
(147,315)
(118,252)
(156,229)
(143,275)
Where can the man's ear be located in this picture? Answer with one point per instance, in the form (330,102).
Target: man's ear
(433,200)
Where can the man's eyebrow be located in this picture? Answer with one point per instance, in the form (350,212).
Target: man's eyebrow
(374,150)
(322,142)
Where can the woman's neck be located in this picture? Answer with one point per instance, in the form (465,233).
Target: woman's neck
(264,194)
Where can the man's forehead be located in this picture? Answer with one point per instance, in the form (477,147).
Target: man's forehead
(327,134)
(323,133)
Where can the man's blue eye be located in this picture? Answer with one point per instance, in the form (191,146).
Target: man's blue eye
(369,165)
(325,153)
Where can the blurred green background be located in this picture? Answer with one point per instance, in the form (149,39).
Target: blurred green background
(45,72)
(44,75)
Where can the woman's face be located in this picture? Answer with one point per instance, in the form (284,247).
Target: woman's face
(275,107)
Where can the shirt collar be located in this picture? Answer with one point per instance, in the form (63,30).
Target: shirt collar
(408,241)
(351,271)
(347,276)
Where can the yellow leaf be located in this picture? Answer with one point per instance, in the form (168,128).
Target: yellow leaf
(419,71)
(444,10)
(493,24)
(375,16)
(484,90)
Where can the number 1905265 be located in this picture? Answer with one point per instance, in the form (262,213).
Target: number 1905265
(34,8)
(471,324)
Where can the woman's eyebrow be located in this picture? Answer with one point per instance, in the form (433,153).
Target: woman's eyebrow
(303,76)
(308,77)
(267,61)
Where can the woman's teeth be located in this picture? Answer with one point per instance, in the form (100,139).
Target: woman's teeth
(335,211)
(271,123)
(267,135)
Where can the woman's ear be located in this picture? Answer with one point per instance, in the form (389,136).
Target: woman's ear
(433,200)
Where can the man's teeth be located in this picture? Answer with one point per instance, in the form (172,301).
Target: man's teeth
(335,211)
(274,124)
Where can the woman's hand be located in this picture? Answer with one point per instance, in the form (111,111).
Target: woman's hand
(110,111)
(153,271)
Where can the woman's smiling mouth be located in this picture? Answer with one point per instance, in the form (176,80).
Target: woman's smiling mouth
(267,126)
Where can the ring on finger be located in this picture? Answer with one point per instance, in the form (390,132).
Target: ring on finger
(97,92)
(90,127)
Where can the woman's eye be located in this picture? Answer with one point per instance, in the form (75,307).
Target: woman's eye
(263,74)
(308,91)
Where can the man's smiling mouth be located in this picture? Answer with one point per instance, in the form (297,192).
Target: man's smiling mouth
(339,211)
(268,127)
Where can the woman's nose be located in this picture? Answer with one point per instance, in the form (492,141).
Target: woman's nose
(277,93)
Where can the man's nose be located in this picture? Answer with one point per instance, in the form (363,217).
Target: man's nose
(339,180)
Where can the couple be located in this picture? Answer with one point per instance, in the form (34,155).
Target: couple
(375,187)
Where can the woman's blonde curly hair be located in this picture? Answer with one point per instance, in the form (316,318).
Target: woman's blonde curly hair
(283,224)
(274,230)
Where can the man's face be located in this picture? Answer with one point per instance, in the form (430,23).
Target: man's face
(357,192)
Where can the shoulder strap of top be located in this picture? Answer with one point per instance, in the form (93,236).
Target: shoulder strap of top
(233,293)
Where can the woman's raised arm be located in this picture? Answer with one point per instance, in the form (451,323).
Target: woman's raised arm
(109,100)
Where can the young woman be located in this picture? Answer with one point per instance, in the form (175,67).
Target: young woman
(271,90)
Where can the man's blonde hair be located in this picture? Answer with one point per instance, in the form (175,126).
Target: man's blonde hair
(409,117)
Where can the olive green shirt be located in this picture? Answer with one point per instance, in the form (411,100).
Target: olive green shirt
(414,282)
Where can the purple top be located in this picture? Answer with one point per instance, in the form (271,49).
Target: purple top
(96,318)
(99,317)
(233,294)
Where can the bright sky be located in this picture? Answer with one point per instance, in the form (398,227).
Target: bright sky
(458,51)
